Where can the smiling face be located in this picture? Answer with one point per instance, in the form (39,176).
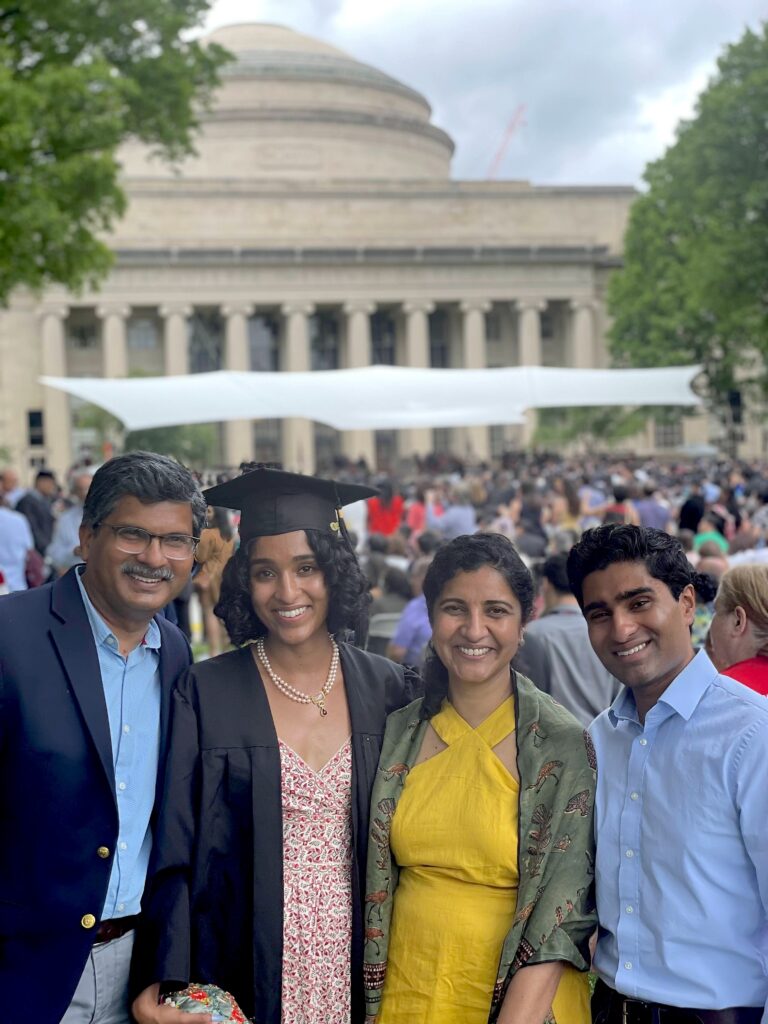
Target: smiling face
(288,588)
(637,628)
(476,628)
(128,589)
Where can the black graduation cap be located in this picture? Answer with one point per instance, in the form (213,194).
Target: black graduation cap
(272,501)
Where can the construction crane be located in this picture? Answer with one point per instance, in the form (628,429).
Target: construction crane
(517,121)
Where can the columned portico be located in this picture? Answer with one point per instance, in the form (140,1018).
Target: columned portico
(417,440)
(582,335)
(529,347)
(114,344)
(474,358)
(238,435)
(56,417)
(176,341)
(359,443)
(298,434)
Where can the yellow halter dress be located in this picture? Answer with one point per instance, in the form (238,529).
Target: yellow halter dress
(454,837)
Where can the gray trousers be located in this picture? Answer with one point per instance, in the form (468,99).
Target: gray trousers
(101,996)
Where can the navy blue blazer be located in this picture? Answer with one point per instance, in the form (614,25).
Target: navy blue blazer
(57,788)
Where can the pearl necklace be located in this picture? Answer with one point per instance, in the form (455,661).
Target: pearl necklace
(290,691)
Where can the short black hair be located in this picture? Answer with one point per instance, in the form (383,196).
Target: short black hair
(663,556)
(348,597)
(468,553)
(148,477)
(396,582)
(427,542)
(378,543)
(555,572)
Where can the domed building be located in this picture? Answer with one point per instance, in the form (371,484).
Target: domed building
(318,227)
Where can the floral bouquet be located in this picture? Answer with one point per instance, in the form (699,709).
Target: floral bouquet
(208,999)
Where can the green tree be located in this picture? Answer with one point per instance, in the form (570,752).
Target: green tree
(195,445)
(694,286)
(594,425)
(77,78)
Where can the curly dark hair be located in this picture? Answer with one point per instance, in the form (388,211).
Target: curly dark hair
(348,596)
(469,553)
(602,546)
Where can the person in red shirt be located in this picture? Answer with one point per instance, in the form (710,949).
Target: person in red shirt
(738,634)
(385,512)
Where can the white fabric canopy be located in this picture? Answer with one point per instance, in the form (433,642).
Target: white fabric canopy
(376,397)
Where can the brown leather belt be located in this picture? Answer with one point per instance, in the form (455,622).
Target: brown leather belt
(114,928)
(611,1007)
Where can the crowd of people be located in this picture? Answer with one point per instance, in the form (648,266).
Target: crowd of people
(458,739)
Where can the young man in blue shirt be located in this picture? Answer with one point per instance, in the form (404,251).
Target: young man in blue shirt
(682,798)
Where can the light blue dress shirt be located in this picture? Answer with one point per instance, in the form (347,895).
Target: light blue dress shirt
(682,844)
(132,692)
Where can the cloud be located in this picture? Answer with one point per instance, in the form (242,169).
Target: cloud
(603,83)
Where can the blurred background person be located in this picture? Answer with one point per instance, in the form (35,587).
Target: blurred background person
(9,486)
(621,509)
(705,587)
(564,505)
(37,505)
(217,544)
(16,543)
(738,633)
(395,593)
(408,645)
(66,531)
(651,510)
(458,516)
(557,655)
(385,509)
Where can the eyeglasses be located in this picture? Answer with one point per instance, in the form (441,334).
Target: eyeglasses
(134,541)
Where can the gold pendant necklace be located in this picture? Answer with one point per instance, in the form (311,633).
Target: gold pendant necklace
(290,691)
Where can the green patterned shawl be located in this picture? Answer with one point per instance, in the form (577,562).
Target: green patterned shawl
(555,902)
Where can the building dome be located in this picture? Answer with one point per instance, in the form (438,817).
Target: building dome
(294,107)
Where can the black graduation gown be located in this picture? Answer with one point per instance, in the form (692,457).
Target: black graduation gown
(214,906)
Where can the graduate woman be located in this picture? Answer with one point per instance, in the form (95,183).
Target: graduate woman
(260,847)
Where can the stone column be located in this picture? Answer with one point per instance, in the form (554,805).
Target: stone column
(176,340)
(359,443)
(238,434)
(114,340)
(602,329)
(582,334)
(57,421)
(416,440)
(298,434)
(529,350)
(476,438)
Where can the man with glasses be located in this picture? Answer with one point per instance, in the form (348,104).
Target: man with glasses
(86,669)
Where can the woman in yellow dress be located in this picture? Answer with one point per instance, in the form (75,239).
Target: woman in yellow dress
(480,870)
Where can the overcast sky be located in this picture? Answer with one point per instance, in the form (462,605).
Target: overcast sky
(603,82)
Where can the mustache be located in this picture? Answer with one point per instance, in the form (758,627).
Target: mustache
(134,569)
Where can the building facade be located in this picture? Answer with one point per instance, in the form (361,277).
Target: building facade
(317,227)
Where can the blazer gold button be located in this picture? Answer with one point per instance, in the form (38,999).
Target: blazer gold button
(103,852)
(87,920)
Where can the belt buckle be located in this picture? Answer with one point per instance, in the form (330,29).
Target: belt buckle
(635,1011)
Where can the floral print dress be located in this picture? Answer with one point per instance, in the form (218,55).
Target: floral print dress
(317,878)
